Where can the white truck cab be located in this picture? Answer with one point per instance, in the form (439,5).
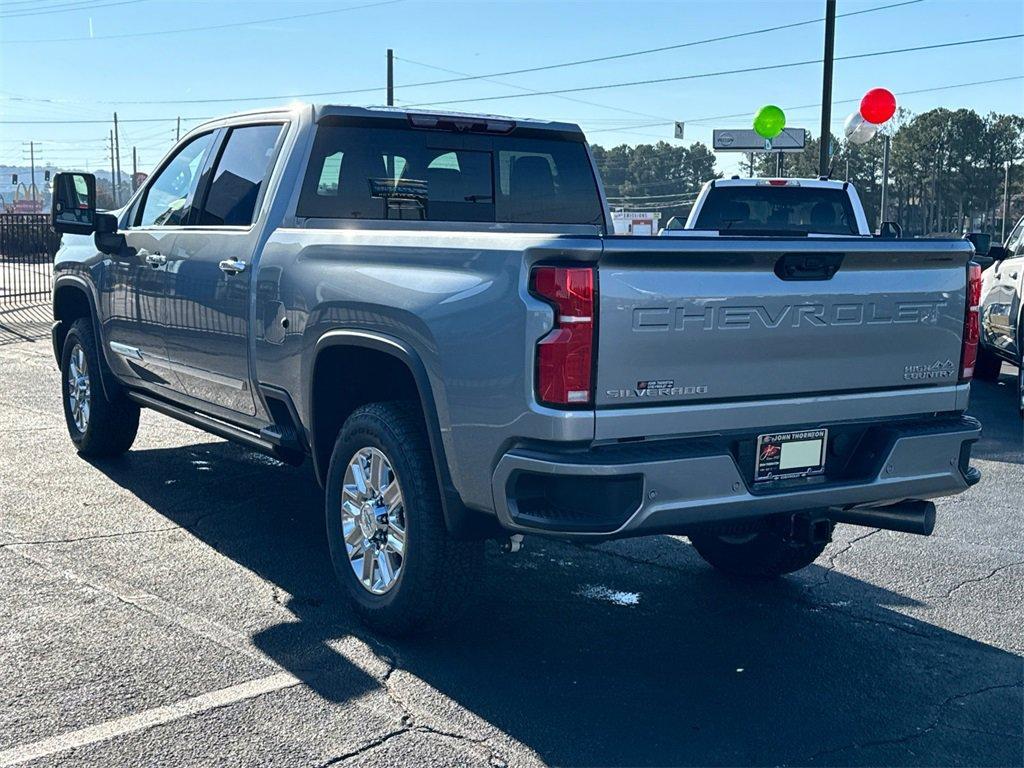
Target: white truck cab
(783,207)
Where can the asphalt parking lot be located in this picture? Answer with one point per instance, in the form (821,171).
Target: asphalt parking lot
(177,607)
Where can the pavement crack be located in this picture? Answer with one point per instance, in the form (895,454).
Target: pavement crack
(95,537)
(933,724)
(830,567)
(368,747)
(976,580)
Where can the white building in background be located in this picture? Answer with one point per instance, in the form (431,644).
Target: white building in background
(635,222)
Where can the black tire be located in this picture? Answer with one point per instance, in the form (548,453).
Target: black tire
(987,366)
(436,572)
(110,426)
(766,553)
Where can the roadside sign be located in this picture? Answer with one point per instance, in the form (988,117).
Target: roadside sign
(747,140)
(679,129)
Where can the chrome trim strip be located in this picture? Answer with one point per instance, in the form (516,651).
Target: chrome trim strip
(124,350)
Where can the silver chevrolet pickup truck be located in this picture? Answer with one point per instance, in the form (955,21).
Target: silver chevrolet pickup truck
(433,310)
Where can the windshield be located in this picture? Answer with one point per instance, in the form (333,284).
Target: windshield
(769,210)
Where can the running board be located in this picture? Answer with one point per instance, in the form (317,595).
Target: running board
(209,424)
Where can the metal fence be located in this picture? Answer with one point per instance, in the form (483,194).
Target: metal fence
(27,247)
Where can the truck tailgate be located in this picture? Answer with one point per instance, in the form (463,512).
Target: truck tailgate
(691,320)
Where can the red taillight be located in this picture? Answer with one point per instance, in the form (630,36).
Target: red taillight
(565,355)
(972,323)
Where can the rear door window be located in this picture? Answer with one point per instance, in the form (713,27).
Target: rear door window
(408,174)
(241,172)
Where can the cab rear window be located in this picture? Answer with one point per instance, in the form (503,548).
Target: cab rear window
(777,210)
(425,175)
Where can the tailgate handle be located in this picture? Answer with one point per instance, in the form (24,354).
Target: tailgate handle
(808,266)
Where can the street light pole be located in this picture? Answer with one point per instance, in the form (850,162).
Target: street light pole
(826,87)
(884,208)
(32,155)
(1006,199)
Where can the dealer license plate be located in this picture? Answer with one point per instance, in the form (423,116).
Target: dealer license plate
(785,455)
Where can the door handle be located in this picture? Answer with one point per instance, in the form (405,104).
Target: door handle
(1013,275)
(232,266)
(154,259)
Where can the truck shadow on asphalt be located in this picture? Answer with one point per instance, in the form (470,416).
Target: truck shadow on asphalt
(994,404)
(632,653)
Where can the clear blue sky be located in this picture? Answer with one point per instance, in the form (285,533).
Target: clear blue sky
(89,78)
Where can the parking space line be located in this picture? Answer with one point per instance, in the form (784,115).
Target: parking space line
(148,603)
(146,719)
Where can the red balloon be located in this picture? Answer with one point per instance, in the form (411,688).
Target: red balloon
(878,105)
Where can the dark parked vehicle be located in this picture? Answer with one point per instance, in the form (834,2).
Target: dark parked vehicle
(1002,316)
(432,308)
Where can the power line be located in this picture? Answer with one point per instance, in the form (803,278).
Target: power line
(677,46)
(463,78)
(69,8)
(814,106)
(596,130)
(721,73)
(524,88)
(100,122)
(36,3)
(231,25)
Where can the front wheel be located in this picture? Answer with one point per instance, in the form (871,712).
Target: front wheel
(400,569)
(766,553)
(98,426)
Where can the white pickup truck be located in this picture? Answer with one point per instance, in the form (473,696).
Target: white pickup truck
(775,207)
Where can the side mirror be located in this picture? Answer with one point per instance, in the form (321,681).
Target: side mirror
(998,253)
(74,203)
(982,243)
(890,230)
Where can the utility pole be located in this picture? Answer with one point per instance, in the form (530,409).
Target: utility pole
(113,186)
(117,150)
(135,166)
(177,135)
(391,78)
(32,155)
(883,214)
(1006,199)
(826,87)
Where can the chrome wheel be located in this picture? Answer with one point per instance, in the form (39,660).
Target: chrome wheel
(373,520)
(78,388)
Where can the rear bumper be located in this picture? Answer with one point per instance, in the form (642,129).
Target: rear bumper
(672,487)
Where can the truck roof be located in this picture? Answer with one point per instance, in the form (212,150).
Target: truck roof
(757,182)
(321,111)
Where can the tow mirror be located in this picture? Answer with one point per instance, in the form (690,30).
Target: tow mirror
(890,230)
(982,242)
(998,253)
(74,203)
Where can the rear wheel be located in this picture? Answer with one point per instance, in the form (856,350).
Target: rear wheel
(98,426)
(766,553)
(400,569)
(987,366)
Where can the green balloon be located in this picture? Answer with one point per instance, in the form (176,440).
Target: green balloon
(769,121)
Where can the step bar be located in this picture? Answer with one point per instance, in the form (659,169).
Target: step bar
(235,434)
